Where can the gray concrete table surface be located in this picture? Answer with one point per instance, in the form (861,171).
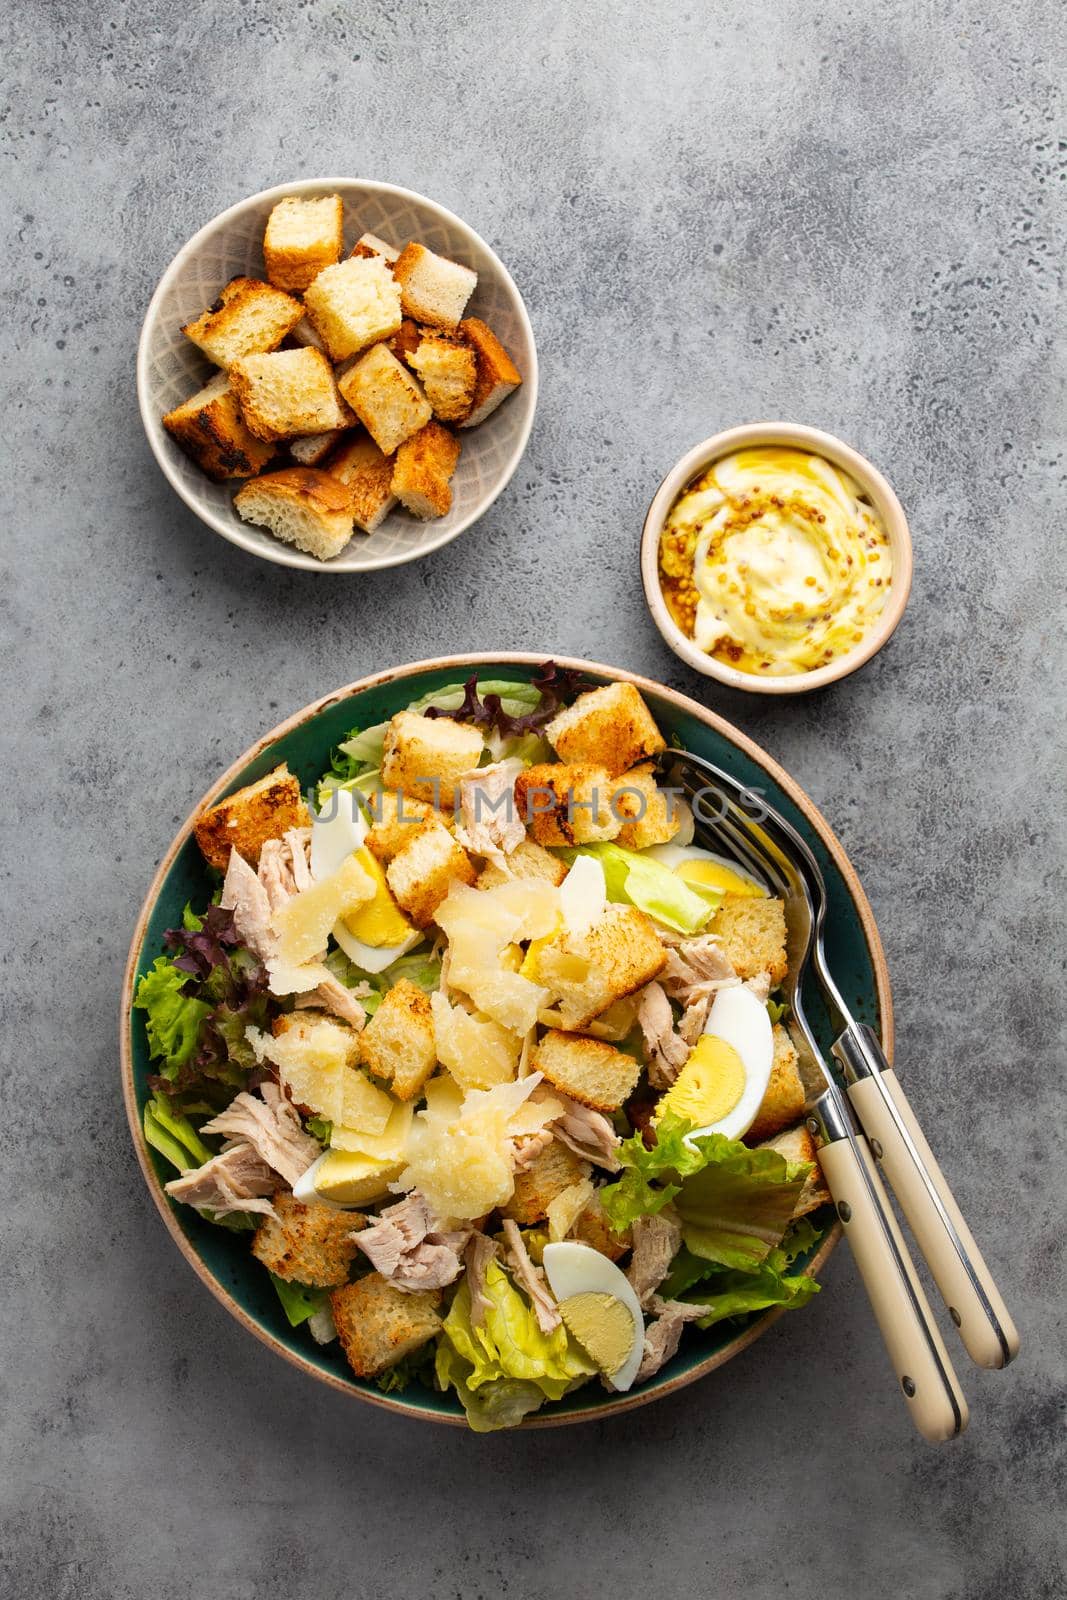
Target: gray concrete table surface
(715,213)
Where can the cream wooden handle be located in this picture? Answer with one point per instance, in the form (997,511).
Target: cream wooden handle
(916,1349)
(955,1262)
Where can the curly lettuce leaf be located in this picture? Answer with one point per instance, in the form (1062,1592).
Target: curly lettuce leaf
(688,1269)
(735,1204)
(638,880)
(173,1015)
(506,1367)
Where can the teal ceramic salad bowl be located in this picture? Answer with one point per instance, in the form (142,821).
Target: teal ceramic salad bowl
(222,1259)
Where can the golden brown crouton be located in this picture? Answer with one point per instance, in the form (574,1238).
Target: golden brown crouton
(353,304)
(797,1144)
(550,1172)
(593,1228)
(248,316)
(752,932)
(424,870)
(527,860)
(288,392)
(784,1101)
(398,1042)
(395,818)
(588,972)
(448,371)
(386,398)
(246,820)
(653,817)
(309,1244)
(312,449)
(426,756)
(302,505)
(407,341)
(567,804)
(422,474)
(369,244)
(611,726)
(588,1070)
(367,474)
(497,375)
(212,432)
(379,1325)
(302,236)
(434,289)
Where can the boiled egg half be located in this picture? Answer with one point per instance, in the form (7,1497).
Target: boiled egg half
(721,1087)
(599,1308)
(704,870)
(377,933)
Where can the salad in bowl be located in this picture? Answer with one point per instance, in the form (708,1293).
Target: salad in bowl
(480,1059)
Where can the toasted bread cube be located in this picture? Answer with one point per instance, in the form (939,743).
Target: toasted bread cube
(796,1144)
(210,429)
(448,371)
(434,289)
(395,817)
(527,860)
(497,375)
(379,1325)
(784,1100)
(398,1042)
(288,392)
(248,316)
(588,972)
(353,304)
(593,1228)
(302,505)
(306,333)
(567,805)
(312,449)
(385,398)
(310,1244)
(368,244)
(550,1172)
(246,820)
(407,341)
(752,932)
(424,870)
(367,475)
(611,726)
(652,816)
(589,1070)
(423,471)
(302,237)
(426,756)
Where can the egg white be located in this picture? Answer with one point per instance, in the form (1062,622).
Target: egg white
(339,829)
(676,855)
(572,1268)
(740,1020)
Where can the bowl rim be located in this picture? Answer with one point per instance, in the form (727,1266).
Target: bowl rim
(746,434)
(232,528)
(525,658)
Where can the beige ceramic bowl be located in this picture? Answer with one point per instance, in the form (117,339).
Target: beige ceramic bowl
(812,440)
(170,368)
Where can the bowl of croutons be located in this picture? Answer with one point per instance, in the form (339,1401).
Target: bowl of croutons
(337,374)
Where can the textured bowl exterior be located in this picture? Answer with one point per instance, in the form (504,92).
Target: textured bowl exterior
(170,368)
(748,436)
(222,1259)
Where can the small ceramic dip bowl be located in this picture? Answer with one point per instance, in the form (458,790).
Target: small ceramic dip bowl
(757,543)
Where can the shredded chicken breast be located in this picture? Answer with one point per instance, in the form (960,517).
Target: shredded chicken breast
(245,896)
(656,1241)
(477,1256)
(664,1333)
(531,1278)
(237,1179)
(587,1132)
(490,824)
(272,1127)
(667,1052)
(408,1244)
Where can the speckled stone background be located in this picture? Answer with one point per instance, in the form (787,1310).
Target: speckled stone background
(716,213)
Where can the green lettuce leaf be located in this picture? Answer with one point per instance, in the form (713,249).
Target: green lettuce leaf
(418,966)
(687,1269)
(173,1017)
(320,1128)
(638,880)
(299,1300)
(173,1135)
(506,1367)
(736,1294)
(418,1367)
(734,1203)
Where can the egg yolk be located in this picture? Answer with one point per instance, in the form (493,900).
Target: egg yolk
(713,875)
(602,1325)
(708,1087)
(378,922)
